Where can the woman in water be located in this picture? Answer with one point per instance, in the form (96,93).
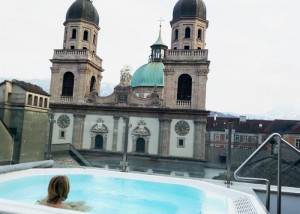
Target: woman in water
(58,190)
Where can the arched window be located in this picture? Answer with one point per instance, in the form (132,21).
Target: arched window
(184,90)
(140,145)
(99,142)
(187,33)
(200,34)
(93,81)
(68,84)
(176,35)
(85,35)
(74,34)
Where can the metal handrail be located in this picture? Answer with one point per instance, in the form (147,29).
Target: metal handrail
(257,180)
(279,139)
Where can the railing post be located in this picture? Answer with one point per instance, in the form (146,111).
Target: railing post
(51,121)
(228,160)
(278,140)
(125,145)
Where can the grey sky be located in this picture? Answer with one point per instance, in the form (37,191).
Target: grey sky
(253,45)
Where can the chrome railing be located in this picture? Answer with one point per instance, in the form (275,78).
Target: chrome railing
(279,141)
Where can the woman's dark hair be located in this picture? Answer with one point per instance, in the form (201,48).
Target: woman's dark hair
(58,189)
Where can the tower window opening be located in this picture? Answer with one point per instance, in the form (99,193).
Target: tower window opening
(175,48)
(85,35)
(93,81)
(72,47)
(94,39)
(68,84)
(74,34)
(84,48)
(200,34)
(186,47)
(176,34)
(184,89)
(187,33)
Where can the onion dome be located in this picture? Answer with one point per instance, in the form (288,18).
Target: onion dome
(149,75)
(189,9)
(83,10)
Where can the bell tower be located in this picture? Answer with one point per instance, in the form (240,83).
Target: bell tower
(186,63)
(76,69)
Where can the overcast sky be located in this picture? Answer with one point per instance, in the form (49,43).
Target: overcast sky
(253,45)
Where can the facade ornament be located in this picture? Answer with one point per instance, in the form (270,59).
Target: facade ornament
(99,127)
(125,76)
(55,69)
(169,71)
(82,69)
(154,98)
(202,72)
(141,129)
(92,97)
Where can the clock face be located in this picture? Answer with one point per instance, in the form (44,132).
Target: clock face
(63,121)
(182,128)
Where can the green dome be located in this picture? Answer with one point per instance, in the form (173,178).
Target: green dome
(149,75)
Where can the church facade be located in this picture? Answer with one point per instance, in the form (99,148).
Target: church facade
(159,110)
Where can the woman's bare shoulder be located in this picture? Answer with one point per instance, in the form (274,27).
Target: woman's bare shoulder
(77,205)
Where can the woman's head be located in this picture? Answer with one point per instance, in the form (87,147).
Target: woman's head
(58,189)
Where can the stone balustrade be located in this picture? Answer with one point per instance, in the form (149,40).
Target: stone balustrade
(201,54)
(183,103)
(77,54)
(66,99)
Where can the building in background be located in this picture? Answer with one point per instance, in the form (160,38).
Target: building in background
(249,134)
(24,111)
(159,110)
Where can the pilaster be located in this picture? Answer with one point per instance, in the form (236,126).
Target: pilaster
(199,139)
(78,130)
(164,137)
(115,133)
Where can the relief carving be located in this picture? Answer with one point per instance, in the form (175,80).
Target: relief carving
(169,71)
(202,72)
(82,69)
(55,69)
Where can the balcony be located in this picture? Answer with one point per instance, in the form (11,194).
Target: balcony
(201,54)
(77,54)
(66,99)
(183,103)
